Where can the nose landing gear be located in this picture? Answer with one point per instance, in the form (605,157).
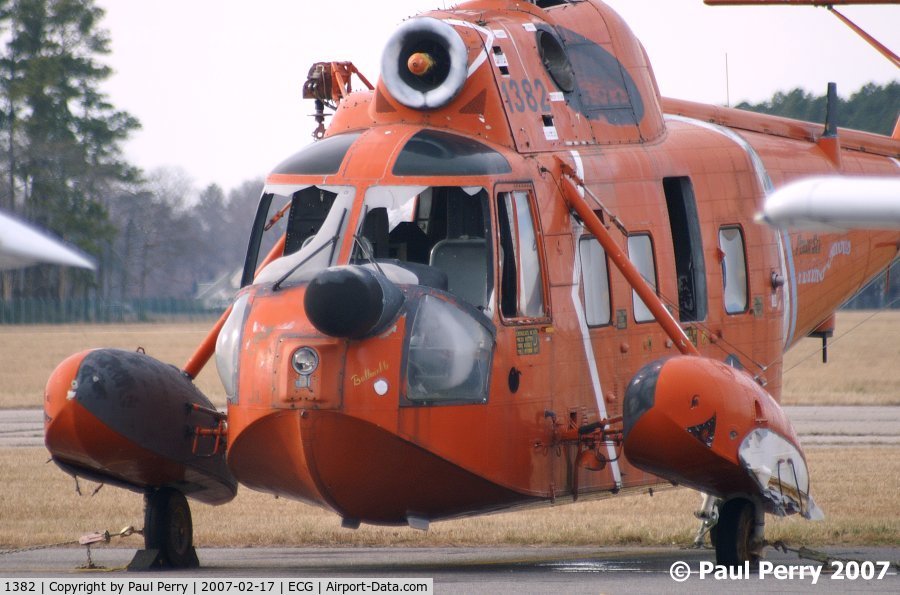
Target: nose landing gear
(736,529)
(168,533)
(738,534)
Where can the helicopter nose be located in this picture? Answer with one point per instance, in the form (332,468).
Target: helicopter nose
(351,302)
(60,386)
(640,396)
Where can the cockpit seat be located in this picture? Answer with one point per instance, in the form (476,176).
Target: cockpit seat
(409,273)
(464,260)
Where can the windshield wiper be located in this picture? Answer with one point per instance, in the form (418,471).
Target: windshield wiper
(366,254)
(277,285)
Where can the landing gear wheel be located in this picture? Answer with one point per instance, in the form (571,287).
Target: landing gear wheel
(168,529)
(733,538)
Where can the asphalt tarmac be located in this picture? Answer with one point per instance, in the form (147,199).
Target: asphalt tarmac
(820,425)
(513,570)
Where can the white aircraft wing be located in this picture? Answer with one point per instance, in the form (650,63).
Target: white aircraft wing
(23,245)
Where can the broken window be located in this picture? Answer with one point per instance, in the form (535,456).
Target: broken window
(433,236)
(521,283)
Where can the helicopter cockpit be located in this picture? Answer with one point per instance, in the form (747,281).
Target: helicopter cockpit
(414,235)
(426,231)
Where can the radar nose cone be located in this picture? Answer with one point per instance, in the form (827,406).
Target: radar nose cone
(61,385)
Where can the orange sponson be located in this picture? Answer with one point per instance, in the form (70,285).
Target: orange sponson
(686,417)
(119,417)
(78,440)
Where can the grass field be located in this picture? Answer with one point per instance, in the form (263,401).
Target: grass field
(863,356)
(28,354)
(863,368)
(856,487)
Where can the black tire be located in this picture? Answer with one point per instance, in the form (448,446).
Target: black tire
(734,533)
(169,529)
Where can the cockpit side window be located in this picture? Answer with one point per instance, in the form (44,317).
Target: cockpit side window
(257,232)
(521,282)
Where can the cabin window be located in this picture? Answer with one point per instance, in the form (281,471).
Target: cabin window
(734,269)
(640,253)
(521,284)
(595,281)
(432,236)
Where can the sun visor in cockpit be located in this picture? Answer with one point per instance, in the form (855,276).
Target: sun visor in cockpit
(436,153)
(321,158)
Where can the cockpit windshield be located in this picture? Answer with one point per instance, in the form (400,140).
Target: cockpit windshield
(436,236)
(440,234)
(317,219)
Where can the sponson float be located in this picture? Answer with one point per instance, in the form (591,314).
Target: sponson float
(509,273)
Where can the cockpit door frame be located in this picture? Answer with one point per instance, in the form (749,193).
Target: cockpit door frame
(500,255)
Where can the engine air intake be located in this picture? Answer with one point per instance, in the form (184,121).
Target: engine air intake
(424,64)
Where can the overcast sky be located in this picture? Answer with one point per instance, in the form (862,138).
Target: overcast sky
(216,83)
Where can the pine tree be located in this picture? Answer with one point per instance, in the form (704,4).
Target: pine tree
(873,108)
(61,136)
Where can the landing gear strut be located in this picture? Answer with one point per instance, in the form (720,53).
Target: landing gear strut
(738,535)
(709,516)
(168,533)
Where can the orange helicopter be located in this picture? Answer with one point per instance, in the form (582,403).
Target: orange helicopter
(510,273)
